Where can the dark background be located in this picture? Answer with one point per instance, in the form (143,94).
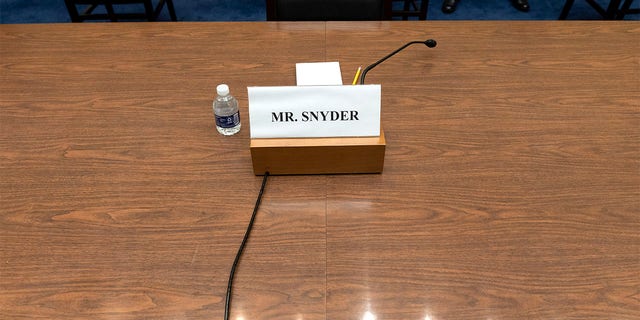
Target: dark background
(53,11)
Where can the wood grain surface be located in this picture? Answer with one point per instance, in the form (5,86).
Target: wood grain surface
(511,187)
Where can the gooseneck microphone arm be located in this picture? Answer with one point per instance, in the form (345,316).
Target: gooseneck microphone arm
(429,43)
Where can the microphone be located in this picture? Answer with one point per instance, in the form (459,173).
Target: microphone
(429,43)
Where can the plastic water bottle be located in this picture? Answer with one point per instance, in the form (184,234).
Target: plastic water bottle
(225,108)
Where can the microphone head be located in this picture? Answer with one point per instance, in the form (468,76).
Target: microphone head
(430,43)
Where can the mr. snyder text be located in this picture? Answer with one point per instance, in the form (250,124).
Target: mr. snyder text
(311,116)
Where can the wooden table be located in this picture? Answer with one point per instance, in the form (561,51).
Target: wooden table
(511,187)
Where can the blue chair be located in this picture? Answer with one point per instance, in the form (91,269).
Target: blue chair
(614,10)
(150,13)
(410,8)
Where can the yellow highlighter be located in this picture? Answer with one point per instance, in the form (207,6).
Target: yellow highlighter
(355,79)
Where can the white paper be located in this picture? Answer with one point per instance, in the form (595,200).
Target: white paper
(314,111)
(318,74)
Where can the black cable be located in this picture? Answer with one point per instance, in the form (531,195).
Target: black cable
(227,303)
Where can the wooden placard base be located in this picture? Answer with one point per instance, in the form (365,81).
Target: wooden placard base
(318,155)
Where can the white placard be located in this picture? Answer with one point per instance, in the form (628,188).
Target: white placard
(318,73)
(314,111)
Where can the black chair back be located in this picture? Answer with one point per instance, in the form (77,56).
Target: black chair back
(325,10)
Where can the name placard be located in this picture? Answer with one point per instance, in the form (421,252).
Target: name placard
(314,111)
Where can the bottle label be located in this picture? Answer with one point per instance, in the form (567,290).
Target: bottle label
(228,121)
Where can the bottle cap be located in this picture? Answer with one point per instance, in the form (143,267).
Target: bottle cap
(223,89)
